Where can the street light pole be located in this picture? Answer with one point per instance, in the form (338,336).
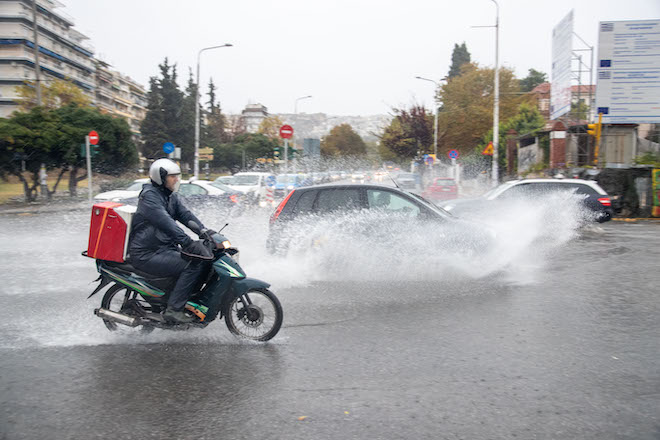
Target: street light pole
(435,124)
(496,104)
(196,161)
(293,137)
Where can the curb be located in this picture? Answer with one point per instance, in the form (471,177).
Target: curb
(635,220)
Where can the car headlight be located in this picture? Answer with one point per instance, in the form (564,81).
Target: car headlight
(448,207)
(289,187)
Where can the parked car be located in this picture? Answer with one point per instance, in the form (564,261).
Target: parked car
(252,184)
(383,208)
(120,194)
(408,180)
(215,194)
(595,199)
(442,188)
(226,180)
(284,183)
(359,177)
(133,190)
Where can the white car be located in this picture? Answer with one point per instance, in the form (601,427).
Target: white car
(133,190)
(225,179)
(252,184)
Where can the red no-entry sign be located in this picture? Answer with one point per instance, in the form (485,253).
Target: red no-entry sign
(286,132)
(93,137)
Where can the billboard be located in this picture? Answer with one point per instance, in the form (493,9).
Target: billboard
(628,81)
(562,52)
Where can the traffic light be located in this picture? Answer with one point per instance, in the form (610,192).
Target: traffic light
(595,129)
(93,149)
(276,153)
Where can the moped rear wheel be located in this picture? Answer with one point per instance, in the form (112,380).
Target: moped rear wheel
(256,315)
(118,299)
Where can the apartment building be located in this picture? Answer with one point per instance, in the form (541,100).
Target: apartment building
(120,95)
(64,53)
(252,116)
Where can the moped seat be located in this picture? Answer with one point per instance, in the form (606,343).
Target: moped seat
(165,283)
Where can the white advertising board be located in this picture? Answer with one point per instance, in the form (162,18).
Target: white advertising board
(628,84)
(562,52)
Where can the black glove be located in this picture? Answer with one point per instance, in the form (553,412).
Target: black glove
(206,234)
(197,250)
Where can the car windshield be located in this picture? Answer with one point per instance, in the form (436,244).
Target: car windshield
(245,180)
(221,186)
(227,180)
(445,182)
(135,186)
(431,205)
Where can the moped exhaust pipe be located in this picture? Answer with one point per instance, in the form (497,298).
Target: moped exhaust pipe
(120,318)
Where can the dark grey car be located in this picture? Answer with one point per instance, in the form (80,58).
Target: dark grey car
(374,211)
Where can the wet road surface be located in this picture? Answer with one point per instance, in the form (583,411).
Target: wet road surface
(563,347)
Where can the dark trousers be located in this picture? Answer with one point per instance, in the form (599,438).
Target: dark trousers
(169,263)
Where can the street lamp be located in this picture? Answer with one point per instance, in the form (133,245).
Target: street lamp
(293,138)
(496,103)
(435,123)
(196,161)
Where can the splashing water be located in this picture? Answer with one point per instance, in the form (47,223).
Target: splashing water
(47,279)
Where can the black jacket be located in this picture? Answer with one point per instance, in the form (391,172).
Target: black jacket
(154,227)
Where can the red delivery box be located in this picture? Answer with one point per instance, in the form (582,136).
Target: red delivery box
(109,229)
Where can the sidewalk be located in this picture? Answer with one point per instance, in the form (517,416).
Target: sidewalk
(44,207)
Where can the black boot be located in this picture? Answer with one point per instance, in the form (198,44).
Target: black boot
(177,316)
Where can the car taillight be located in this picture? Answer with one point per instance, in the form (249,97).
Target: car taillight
(605,201)
(280,207)
(233,198)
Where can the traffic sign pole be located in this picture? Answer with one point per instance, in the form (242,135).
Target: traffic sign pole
(286,131)
(89,168)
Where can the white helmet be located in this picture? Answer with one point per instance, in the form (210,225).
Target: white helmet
(162,168)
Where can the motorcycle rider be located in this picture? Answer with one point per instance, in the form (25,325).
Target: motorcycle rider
(155,234)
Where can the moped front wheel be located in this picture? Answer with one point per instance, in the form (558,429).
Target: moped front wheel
(255,315)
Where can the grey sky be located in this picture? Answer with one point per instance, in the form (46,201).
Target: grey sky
(356,57)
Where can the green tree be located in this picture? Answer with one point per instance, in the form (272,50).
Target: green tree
(214,130)
(527,121)
(245,149)
(459,57)
(270,127)
(579,110)
(467,106)
(55,137)
(26,141)
(533,79)
(166,120)
(115,151)
(343,141)
(153,130)
(185,130)
(54,94)
(409,134)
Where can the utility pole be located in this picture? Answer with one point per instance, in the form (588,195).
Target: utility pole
(496,104)
(43,175)
(496,101)
(37,68)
